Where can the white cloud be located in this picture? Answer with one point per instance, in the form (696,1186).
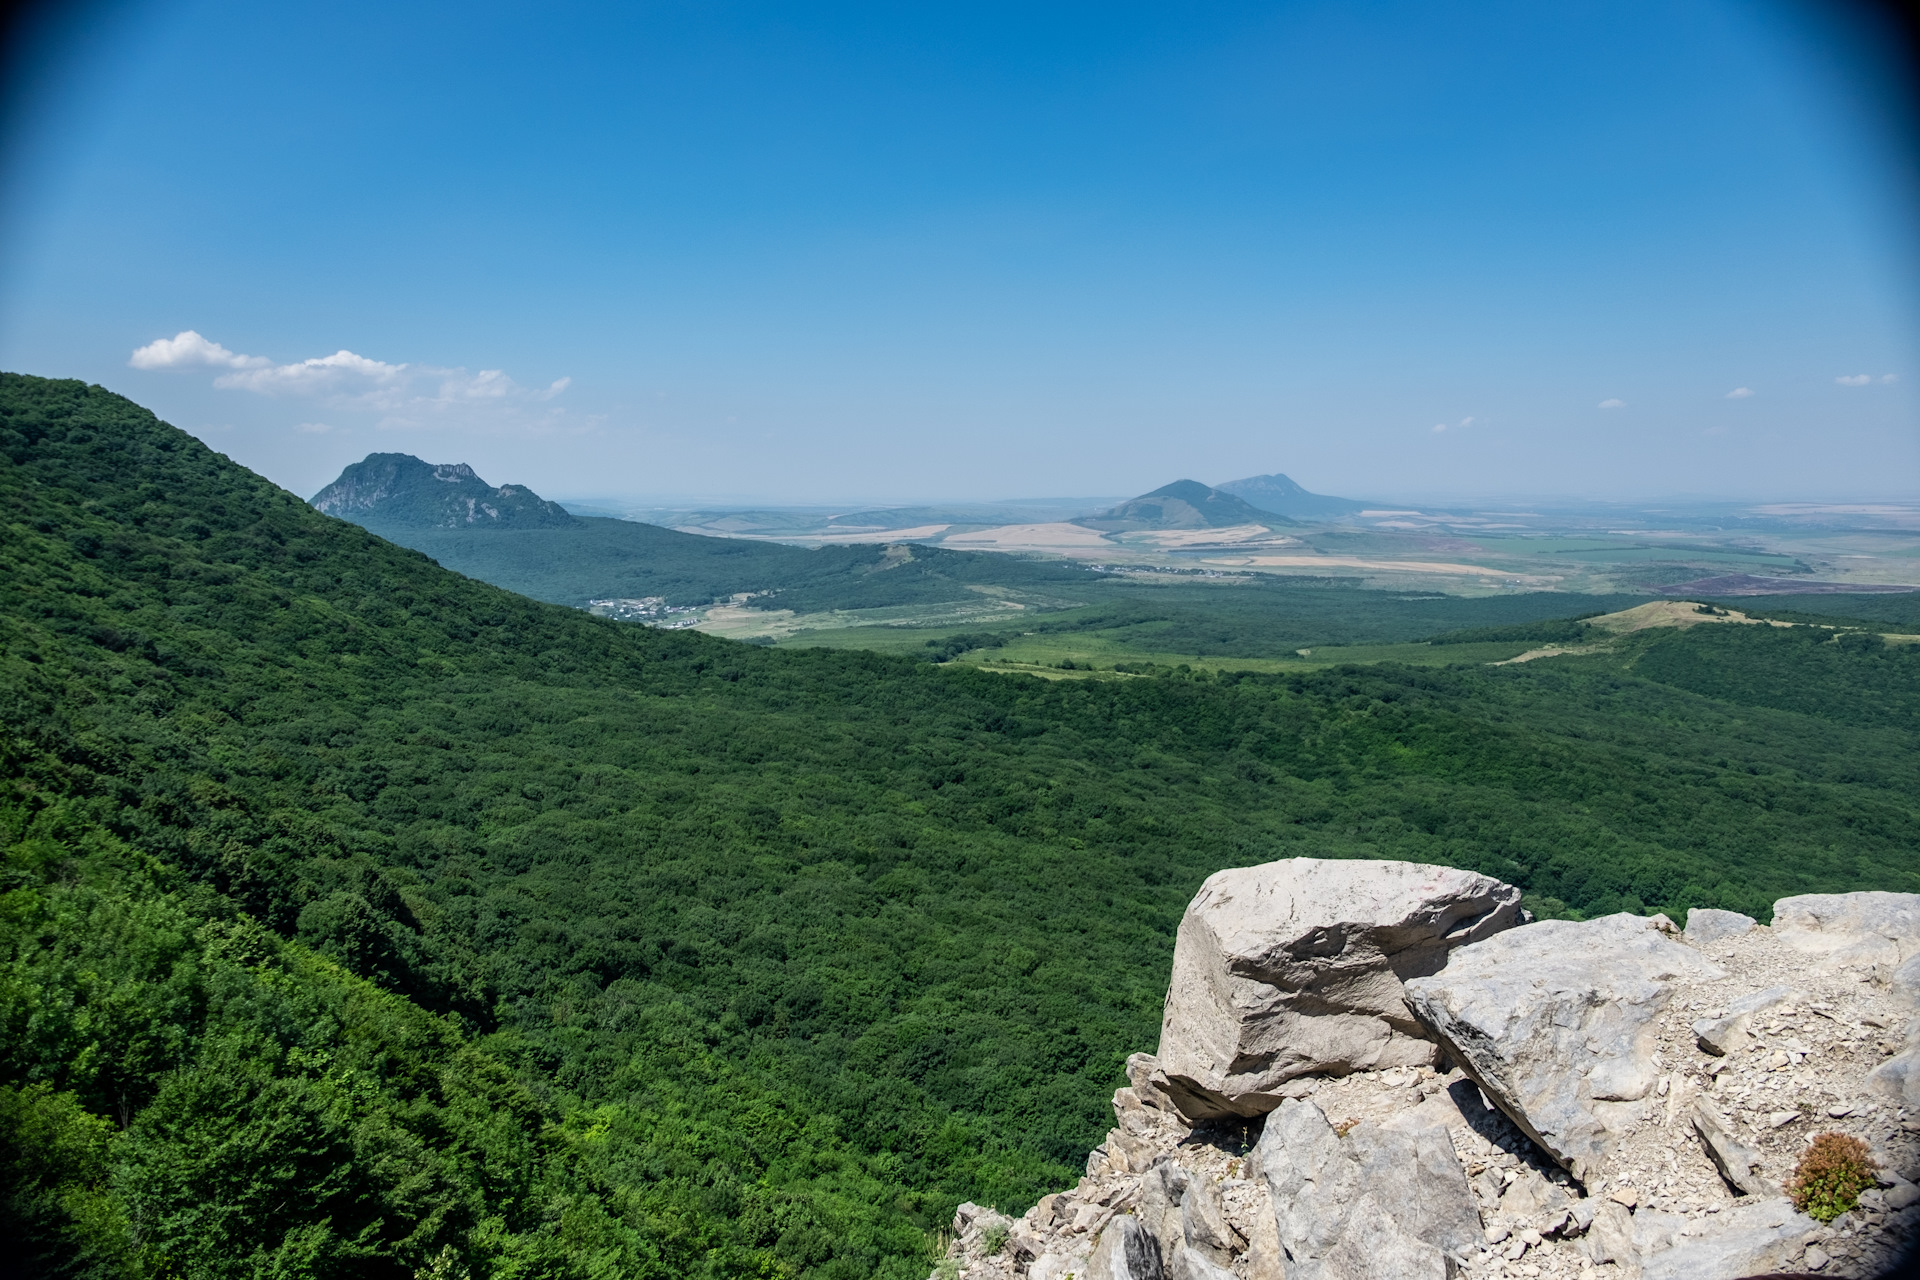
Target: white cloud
(1612,404)
(1739,393)
(341,371)
(409,395)
(186,349)
(1889,377)
(1439,426)
(314,428)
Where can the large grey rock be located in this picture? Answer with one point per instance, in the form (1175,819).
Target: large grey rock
(1203,1225)
(1710,924)
(1373,1202)
(1899,1076)
(1750,1239)
(1127,1251)
(1737,1162)
(1873,928)
(1161,1192)
(1609,1237)
(1295,968)
(1265,1259)
(1554,1022)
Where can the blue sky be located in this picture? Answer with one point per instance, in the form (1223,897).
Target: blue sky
(836,252)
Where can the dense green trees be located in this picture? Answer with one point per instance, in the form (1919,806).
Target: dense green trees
(361,918)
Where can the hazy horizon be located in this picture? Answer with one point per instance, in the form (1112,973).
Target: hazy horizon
(1659,251)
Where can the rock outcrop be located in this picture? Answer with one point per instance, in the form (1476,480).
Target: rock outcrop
(1371,1201)
(1295,969)
(1480,1163)
(1851,929)
(1554,1023)
(1708,924)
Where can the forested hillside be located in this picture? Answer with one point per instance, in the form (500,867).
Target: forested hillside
(363,919)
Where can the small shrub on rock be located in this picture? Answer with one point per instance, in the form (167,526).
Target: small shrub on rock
(1831,1176)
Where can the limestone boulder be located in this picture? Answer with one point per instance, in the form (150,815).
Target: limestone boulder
(1751,1239)
(1126,1251)
(1863,929)
(1296,968)
(1709,924)
(1899,1076)
(1555,1023)
(1162,1190)
(1738,1163)
(1370,1202)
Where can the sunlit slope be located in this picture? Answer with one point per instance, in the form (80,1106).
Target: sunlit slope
(485,926)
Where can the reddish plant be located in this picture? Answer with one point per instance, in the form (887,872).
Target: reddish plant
(1831,1176)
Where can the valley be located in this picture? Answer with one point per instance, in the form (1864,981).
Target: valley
(361,914)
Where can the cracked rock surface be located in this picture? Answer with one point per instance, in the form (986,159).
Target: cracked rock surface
(1414,1170)
(1294,969)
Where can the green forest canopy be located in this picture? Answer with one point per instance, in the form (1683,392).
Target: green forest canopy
(360,918)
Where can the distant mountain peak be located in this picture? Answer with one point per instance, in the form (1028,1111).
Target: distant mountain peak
(400,489)
(1184,504)
(1282,496)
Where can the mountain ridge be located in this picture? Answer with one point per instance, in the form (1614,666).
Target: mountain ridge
(402,490)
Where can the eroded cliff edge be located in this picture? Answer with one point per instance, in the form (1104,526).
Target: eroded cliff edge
(1379,1069)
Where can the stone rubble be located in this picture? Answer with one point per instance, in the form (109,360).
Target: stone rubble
(1410,1171)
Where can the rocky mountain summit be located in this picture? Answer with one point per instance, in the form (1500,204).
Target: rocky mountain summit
(1378,1069)
(399,490)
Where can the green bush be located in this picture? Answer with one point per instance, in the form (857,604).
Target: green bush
(1828,1181)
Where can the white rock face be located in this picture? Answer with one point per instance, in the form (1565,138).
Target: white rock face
(1752,1239)
(1553,1021)
(1127,1251)
(1709,924)
(1295,968)
(1851,928)
(1360,1173)
(1371,1202)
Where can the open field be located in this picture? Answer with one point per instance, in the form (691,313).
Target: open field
(1267,626)
(1487,552)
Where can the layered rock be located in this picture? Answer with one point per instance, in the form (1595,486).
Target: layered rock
(1851,929)
(1295,969)
(1408,1171)
(1372,1201)
(1709,924)
(1554,1023)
